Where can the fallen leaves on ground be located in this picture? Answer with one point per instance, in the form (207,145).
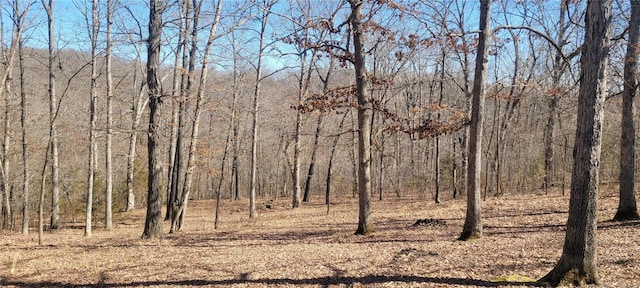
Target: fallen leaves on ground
(523,236)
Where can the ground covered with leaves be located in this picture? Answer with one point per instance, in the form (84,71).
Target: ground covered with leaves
(414,246)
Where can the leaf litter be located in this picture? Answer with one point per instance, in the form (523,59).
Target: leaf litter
(414,246)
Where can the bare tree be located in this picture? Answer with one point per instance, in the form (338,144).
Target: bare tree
(577,265)
(53,107)
(108,217)
(178,220)
(153,219)
(6,199)
(94,29)
(627,207)
(266,10)
(365,223)
(23,116)
(473,221)
(5,86)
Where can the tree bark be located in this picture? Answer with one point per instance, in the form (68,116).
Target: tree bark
(312,163)
(473,221)
(94,29)
(23,122)
(577,265)
(256,97)
(108,217)
(53,111)
(627,208)
(558,69)
(153,219)
(365,222)
(178,221)
(6,83)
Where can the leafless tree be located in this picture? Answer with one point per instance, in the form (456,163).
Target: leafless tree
(108,217)
(153,219)
(627,207)
(577,265)
(93,26)
(53,110)
(365,223)
(473,221)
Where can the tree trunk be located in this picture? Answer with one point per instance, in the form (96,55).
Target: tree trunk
(136,115)
(92,116)
(17,18)
(312,163)
(182,71)
(577,265)
(365,223)
(627,208)
(473,221)
(327,197)
(296,146)
(256,97)
(558,69)
(53,111)
(178,221)
(153,220)
(6,186)
(23,122)
(108,158)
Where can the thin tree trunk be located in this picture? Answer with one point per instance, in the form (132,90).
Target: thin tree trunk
(6,187)
(92,116)
(191,161)
(178,96)
(254,124)
(577,265)
(43,178)
(627,207)
(153,219)
(296,146)
(549,132)
(178,183)
(109,161)
(53,110)
(23,126)
(312,163)
(327,198)
(17,18)
(473,220)
(136,116)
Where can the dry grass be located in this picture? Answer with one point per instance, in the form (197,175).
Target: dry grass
(307,247)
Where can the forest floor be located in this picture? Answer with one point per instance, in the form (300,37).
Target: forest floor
(523,236)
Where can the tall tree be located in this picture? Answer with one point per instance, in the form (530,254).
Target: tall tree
(559,66)
(473,221)
(178,220)
(627,207)
(153,219)
(266,10)
(108,217)
(53,110)
(94,29)
(577,264)
(17,17)
(7,220)
(23,120)
(365,223)
(179,93)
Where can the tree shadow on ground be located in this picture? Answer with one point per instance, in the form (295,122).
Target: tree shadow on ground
(523,229)
(323,281)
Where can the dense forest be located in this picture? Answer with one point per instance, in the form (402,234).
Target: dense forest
(113,105)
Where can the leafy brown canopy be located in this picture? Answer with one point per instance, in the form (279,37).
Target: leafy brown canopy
(437,120)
